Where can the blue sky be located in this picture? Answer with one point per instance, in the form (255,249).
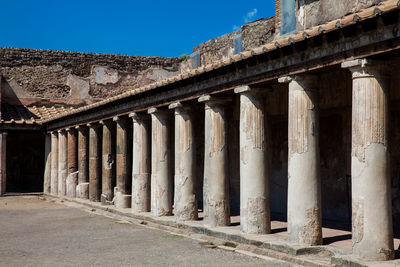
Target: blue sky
(146,28)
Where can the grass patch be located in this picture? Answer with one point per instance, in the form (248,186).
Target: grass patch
(123,222)
(172,236)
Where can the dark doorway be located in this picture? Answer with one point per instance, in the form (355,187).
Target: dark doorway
(25,161)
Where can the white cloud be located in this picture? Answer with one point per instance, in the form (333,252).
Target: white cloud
(249,17)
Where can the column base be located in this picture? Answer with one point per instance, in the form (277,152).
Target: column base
(82,190)
(105,199)
(72,180)
(122,201)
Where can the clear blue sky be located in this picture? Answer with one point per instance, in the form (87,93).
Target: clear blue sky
(146,28)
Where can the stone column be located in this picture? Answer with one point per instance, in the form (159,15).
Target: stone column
(47,165)
(3,163)
(370,172)
(185,203)
(122,197)
(216,179)
(72,178)
(82,189)
(304,182)
(107,189)
(254,179)
(54,163)
(62,162)
(161,168)
(94,162)
(141,163)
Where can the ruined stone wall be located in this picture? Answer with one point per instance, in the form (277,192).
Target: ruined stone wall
(311,13)
(47,76)
(253,34)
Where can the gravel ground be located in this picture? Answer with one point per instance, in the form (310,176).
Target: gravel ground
(34,232)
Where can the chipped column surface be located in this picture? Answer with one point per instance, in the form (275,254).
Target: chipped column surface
(82,190)
(94,162)
(185,202)
(72,178)
(371,190)
(161,168)
(122,197)
(54,163)
(216,179)
(304,182)
(108,163)
(3,163)
(62,163)
(254,180)
(141,163)
(47,162)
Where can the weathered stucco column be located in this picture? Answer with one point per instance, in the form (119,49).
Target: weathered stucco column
(185,201)
(47,164)
(54,163)
(82,189)
(62,162)
(304,182)
(254,180)
(122,198)
(94,162)
(107,188)
(216,179)
(72,178)
(371,190)
(141,163)
(161,168)
(3,162)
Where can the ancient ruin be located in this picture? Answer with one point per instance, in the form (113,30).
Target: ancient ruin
(291,118)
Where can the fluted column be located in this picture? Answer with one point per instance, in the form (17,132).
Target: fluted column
(141,163)
(304,181)
(185,201)
(108,180)
(94,162)
(72,178)
(370,171)
(161,168)
(254,179)
(54,163)
(216,179)
(3,162)
(47,165)
(62,162)
(82,189)
(122,198)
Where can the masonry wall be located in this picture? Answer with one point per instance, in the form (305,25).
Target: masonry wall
(253,34)
(48,77)
(311,13)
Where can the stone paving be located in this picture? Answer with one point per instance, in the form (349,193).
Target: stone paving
(34,232)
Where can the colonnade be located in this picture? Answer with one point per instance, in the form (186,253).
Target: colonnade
(96,159)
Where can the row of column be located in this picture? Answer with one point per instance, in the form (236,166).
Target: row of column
(152,170)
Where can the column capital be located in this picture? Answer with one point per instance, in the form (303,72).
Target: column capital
(105,122)
(138,117)
(61,131)
(364,67)
(93,124)
(251,90)
(157,111)
(299,78)
(214,100)
(175,105)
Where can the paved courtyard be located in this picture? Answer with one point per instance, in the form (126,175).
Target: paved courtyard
(34,232)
